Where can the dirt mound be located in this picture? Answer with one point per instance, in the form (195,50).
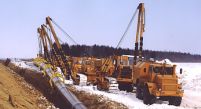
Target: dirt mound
(92,101)
(40,83)
(16,93)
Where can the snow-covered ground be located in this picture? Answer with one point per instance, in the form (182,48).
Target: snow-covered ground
(24,64)
(190,79)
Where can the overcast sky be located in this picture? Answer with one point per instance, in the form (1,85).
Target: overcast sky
(171,25)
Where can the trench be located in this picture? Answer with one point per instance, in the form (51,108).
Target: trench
(41,83)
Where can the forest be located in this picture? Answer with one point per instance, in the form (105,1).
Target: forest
(100,51)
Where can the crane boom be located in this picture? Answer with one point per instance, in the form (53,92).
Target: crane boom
(65,63)
(139,33)
(52,53)
(66,67)
(44,43)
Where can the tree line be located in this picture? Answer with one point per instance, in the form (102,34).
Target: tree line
(101,51)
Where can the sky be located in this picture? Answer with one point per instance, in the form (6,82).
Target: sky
(171,25)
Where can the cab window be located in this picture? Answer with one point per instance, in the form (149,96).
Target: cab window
(150,69)
(168,70)
(157,69)
(163,70)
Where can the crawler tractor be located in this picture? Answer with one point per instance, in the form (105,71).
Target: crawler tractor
(54,54)
(104,71)
(124,69)
(88,68)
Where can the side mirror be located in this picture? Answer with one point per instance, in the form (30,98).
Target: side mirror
(180,71)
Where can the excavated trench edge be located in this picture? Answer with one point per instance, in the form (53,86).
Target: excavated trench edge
(41,83)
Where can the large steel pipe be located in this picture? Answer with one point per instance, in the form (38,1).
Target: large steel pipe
(74,102)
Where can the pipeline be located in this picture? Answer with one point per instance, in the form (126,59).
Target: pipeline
(59,85)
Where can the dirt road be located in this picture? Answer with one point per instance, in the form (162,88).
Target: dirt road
(15,93)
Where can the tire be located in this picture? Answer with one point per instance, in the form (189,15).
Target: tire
(107,85)
(176,101)
(147,97)
(98,83)
(129,88)
(99,87)
(77,80)
(123,86)
(139,92)
(119,87)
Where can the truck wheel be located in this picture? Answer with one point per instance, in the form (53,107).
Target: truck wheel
(139,93)
(120,87)
(147,97)
(175,101)
(106,85)
(99,87)
(123,86)
(129,88)
(76,81)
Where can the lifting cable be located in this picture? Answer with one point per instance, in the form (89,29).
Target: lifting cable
(127,28)
(50,34)
(124,34)
(64,32)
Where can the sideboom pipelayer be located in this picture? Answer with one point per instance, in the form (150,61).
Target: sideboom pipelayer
(152,80)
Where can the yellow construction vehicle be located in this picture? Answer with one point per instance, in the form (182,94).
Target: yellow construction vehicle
(124,71)
(105,69)
(66,62)
(125,74)
(77,66)
(44,38)
(88,68)
(153,80)
(92,68)
(56,54)
(113,70)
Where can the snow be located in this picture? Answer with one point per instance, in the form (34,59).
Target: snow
(83,80)
(167,61)
(191,76)
(2,59)
(191,83)
(125,98)
(24,64)
(190,79)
